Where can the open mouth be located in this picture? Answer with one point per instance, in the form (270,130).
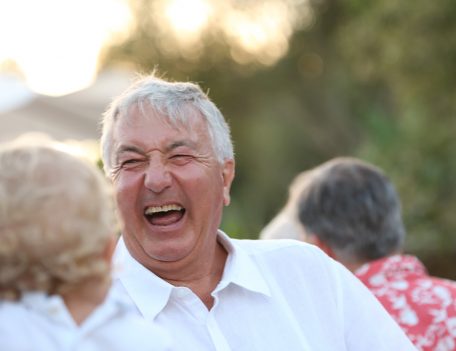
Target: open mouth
(164,215)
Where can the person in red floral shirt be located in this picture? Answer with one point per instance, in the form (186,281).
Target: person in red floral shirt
(351,210)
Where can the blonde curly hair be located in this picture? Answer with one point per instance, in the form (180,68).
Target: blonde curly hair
(56,220)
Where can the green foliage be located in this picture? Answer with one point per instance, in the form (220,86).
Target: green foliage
(373,79)
(408,45)
(409,48)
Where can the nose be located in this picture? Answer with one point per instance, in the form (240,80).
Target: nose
(157,178)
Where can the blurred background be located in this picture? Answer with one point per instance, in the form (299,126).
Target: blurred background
(300,82)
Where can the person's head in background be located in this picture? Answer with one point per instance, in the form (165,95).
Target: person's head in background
(285,224)
(57,221)
(351,210)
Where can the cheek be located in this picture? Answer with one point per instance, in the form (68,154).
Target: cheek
(199,182)
(126,188)
(208,189)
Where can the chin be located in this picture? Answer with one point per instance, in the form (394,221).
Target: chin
(168,254)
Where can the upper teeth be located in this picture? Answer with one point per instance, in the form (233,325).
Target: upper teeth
(166,208)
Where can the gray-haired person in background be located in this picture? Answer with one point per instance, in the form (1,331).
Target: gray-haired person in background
(351,210)
(168,151)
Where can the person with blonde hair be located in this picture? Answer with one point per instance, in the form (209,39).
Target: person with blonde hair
(57,234)
(285,224)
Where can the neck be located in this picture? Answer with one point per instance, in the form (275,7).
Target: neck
(352,267)
(82,300)
(200,276)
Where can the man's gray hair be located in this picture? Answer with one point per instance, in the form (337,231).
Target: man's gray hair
(175,101)
(352,207)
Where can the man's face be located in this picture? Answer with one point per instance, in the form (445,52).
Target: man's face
(170,188)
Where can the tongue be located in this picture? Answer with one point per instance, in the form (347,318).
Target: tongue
(165,218)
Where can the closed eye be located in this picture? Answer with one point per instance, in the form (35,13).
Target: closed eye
(131,163)
(181,159)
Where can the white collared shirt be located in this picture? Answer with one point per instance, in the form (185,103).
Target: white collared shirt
(273,295)
(43,323)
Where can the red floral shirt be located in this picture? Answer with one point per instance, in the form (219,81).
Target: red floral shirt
(424,306)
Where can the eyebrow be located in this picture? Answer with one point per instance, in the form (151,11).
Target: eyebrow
(129,148)
(180,143)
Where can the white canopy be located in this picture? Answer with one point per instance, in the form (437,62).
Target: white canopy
(71,117)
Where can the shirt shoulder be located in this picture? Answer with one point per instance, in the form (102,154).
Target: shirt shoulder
(309,282)
(288,249)
(14,324)
(12,314)
(290,260)
(445,283)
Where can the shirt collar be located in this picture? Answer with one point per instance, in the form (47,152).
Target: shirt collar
(240,269)
(150,293)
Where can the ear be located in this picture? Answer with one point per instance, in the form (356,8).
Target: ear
(315,240)
(228,176)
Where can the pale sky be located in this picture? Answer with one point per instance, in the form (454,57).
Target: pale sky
(56,43)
